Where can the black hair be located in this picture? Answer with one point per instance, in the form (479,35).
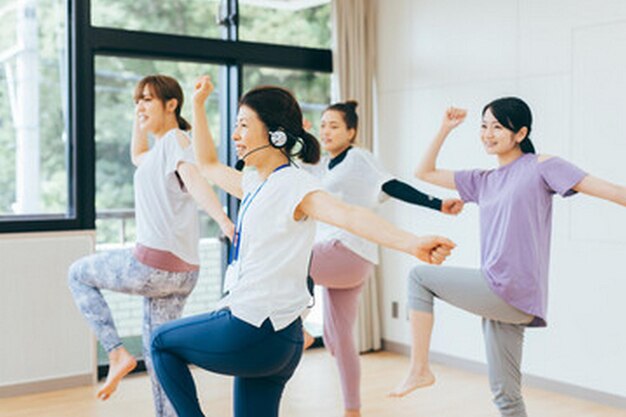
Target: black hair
(514,114)
(348,111)
(165,88)
(278,109)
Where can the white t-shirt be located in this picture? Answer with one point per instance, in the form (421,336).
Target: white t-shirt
(268,280)
(356,180)
(166,214)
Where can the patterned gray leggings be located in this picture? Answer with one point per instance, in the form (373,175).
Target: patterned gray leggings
(164,295)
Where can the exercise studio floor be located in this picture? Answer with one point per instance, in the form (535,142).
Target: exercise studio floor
(314,391)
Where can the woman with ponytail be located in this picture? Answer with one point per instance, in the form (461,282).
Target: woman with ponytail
(510,290)
(163,266)
(343,261)
(256,332)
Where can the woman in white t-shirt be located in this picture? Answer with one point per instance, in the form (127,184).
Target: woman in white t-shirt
(163,266)
(256,333)
(341,260)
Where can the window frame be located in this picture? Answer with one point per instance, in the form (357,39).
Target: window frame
(85,42)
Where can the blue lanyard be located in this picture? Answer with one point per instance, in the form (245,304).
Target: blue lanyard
(245,204)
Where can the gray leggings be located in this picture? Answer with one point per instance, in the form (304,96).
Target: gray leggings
(503,325)
(164,295)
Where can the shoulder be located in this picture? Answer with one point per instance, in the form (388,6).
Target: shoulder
(300,174)
(182,138)
(249,179)
(296,179)
(544,157)
(361,153)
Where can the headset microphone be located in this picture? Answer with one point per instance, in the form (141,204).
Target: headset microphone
(242,163)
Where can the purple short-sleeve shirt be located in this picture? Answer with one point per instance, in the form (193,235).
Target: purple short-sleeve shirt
(515,203)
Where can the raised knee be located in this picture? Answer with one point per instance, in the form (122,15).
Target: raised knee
(156,342)
(418,274)
(73,273)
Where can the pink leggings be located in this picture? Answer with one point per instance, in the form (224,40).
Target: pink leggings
(341,272)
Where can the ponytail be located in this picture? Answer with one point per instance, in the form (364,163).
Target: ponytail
(527,146)
(183,124)
(310,150)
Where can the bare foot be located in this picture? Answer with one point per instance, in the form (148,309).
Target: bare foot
(414,380)
(352,413)
(308,340)
(121,362)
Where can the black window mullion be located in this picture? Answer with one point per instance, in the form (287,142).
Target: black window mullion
(82,85)
(118,42)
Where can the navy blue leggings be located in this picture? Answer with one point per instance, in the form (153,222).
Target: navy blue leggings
(261,359)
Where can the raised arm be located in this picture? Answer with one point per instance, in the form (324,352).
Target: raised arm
(223,176)
(409,194)
(139,143)
(321,206)
(600,188)
(427,169)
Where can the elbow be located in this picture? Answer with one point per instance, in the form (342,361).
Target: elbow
(421,174)
(205,162)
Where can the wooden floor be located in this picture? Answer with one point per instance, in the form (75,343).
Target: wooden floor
(314,391)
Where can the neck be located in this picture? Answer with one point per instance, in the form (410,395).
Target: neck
(512,155)
(338,151)
(168,125)
(267,165)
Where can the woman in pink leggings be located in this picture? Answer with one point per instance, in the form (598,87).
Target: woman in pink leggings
(342,261)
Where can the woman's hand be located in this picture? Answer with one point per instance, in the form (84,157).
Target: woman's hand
(452,206)
(432,249)
(453,117)
(228,228)
(203,89)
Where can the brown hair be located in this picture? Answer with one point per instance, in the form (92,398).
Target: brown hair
(278,109)
(165,88)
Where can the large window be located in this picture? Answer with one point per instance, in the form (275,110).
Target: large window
(297,22)
(56,70)
(34,117)
(180,17)
(66,105)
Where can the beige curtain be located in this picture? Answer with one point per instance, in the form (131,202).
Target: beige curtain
(354,36)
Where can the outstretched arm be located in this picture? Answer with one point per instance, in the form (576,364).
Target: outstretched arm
(405,192)
(600,188)
(321,206)
(427,169)
(222,175)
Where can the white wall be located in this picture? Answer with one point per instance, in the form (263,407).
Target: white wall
(567,58)
(42,335)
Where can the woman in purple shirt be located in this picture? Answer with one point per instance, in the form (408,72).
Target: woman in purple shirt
(509,291)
